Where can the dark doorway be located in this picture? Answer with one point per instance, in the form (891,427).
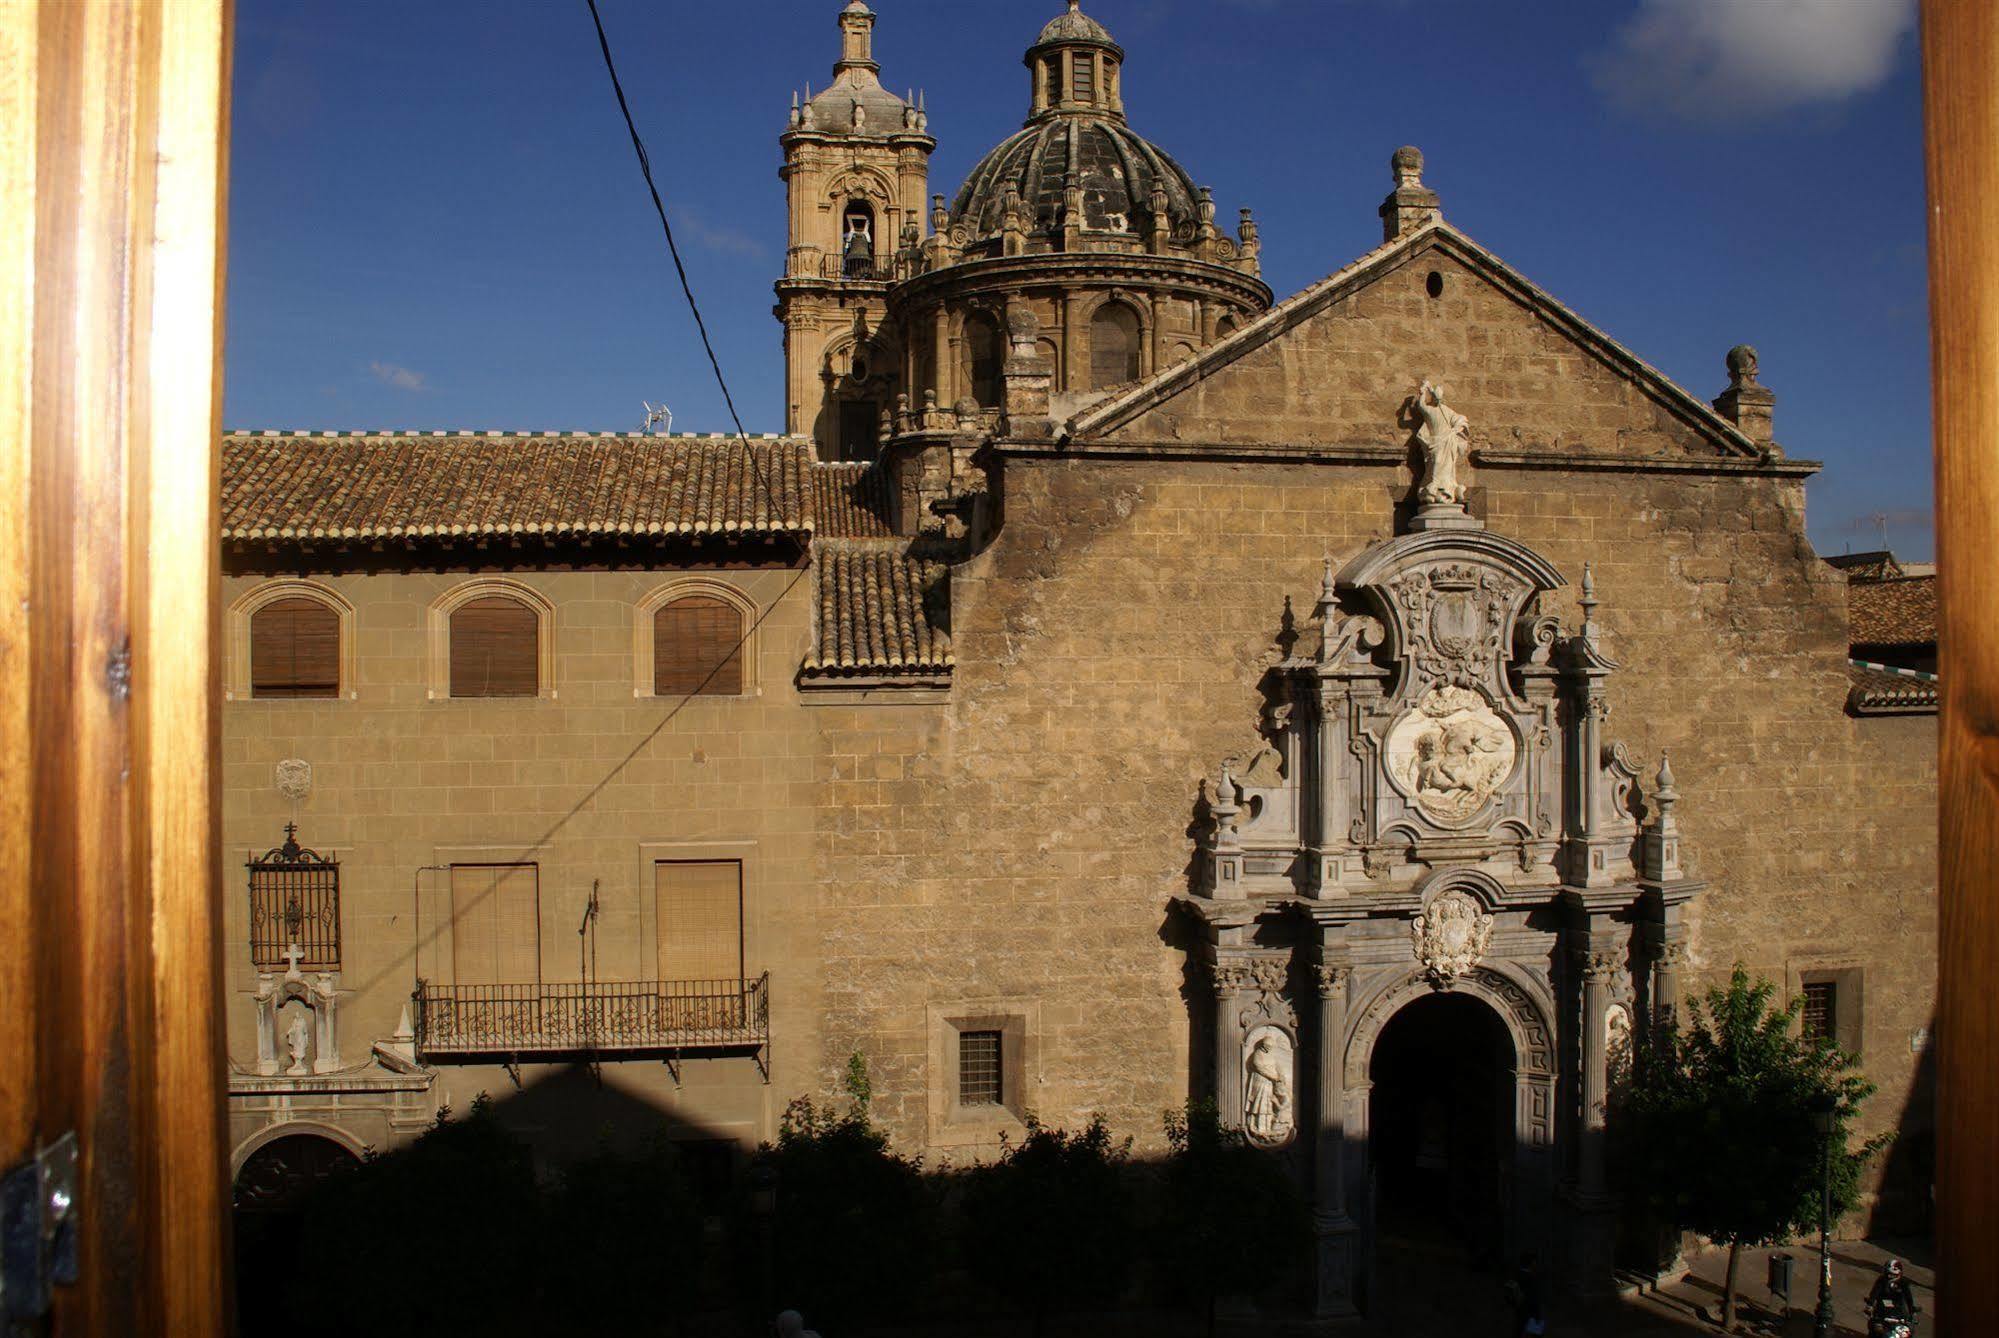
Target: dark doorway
(270,1195)
(1441,1128)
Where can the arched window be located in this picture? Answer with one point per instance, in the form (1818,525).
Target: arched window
(295,649)
(857,239)
(1113,346)
(1227,326)
(495,648)
(982,350)
(697,648)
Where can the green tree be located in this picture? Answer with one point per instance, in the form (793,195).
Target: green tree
(1227,1213)
(854,1226)
(1049,1224)
(1714,1123)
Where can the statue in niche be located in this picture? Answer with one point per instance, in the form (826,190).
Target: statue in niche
(1267,1096)
(295,1044)
(1444,437)
(1451,753)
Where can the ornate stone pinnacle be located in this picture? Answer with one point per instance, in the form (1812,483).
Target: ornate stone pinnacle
(1666,795)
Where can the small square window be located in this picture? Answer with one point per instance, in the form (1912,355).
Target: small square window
(1820,1017)
(979,1068)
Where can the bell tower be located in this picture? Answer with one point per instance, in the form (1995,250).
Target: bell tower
(857,170)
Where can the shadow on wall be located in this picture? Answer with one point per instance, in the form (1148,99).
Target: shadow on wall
(1908,1178)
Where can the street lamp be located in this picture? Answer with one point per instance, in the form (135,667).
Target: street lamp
(1825,1119)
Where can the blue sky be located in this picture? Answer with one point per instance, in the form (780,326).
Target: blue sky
(436,220)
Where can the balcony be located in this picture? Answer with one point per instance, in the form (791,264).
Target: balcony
(594,1019)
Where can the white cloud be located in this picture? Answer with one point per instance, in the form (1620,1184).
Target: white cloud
(1706,60)
(402,378)
(694,225)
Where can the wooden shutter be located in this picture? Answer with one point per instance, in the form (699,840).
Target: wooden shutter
(700,919)
(295,649)
(697,647)
(495,648)
(1113,346)
(495,924)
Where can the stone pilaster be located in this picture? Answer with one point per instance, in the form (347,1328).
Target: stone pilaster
(1334,1227)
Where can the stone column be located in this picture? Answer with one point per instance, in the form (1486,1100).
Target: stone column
(1333,1226)
(1598,969)
(1666,980)
(941,360)
(1231,978)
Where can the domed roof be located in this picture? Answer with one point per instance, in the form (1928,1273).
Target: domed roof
(1116,168)
(1074,26)
(882,112)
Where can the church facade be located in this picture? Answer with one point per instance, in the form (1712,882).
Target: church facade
(1365,710)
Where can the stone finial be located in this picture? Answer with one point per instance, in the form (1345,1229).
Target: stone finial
(940,217)
(1748,403)
(1659,851)
(796,116)
(1407,165)
(1665,795)
(1588,601)
(1411,205)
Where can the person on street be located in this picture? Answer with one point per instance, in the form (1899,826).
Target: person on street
(1892,1299)
(1523,1293)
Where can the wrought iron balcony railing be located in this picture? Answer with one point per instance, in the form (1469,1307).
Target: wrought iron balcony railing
(601,1018)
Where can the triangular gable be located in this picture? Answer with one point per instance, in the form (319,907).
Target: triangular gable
(1127,414)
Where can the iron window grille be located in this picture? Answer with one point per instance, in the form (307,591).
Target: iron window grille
(1820,1020)
(979,1068)
(294,899)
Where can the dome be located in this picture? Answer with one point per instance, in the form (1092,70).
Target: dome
(1116,168)
(1074,26)
(882,112)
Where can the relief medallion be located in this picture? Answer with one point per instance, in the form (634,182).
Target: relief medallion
(1451,753)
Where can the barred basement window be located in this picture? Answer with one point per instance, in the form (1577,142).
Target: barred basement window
(1820,1021)
(697,647)
(495,648)
(978,1068)
(295,649)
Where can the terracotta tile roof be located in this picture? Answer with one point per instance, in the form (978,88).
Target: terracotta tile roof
(878,611)
(339,487)
(1899,612)
(850,501)
(1879,565)
(1880,690)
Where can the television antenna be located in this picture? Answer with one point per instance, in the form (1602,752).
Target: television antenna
(657,414)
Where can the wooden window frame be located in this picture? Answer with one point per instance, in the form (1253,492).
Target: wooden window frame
(643,663)
(236,684)
(439,656)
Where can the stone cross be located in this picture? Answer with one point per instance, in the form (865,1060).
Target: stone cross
(292,956)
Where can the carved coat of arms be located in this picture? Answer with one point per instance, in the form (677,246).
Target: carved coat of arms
(1451,753)
(293,778)
(1451,935)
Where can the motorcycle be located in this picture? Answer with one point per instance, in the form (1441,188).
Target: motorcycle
(1889,1326)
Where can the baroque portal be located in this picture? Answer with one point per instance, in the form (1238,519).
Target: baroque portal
(1428,805)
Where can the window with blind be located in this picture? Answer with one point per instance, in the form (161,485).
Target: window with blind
(495,648)
(698,648)
(295,649)
(983,351)
(1113,346)
(496,924)
(700,919)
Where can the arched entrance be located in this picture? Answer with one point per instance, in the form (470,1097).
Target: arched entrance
(1441,1120)
(270,1194)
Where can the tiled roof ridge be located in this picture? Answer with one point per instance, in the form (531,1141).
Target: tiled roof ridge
(1881,689)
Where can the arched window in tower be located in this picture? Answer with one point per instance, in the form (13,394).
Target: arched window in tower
(857,240)
(981,346)
(1113,346)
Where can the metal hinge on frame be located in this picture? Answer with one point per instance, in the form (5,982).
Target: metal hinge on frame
(38,1230)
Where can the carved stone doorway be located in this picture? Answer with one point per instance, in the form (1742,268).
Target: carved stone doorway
(1441,1128)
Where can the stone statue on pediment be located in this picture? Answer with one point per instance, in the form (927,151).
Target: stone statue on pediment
(1444,435)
